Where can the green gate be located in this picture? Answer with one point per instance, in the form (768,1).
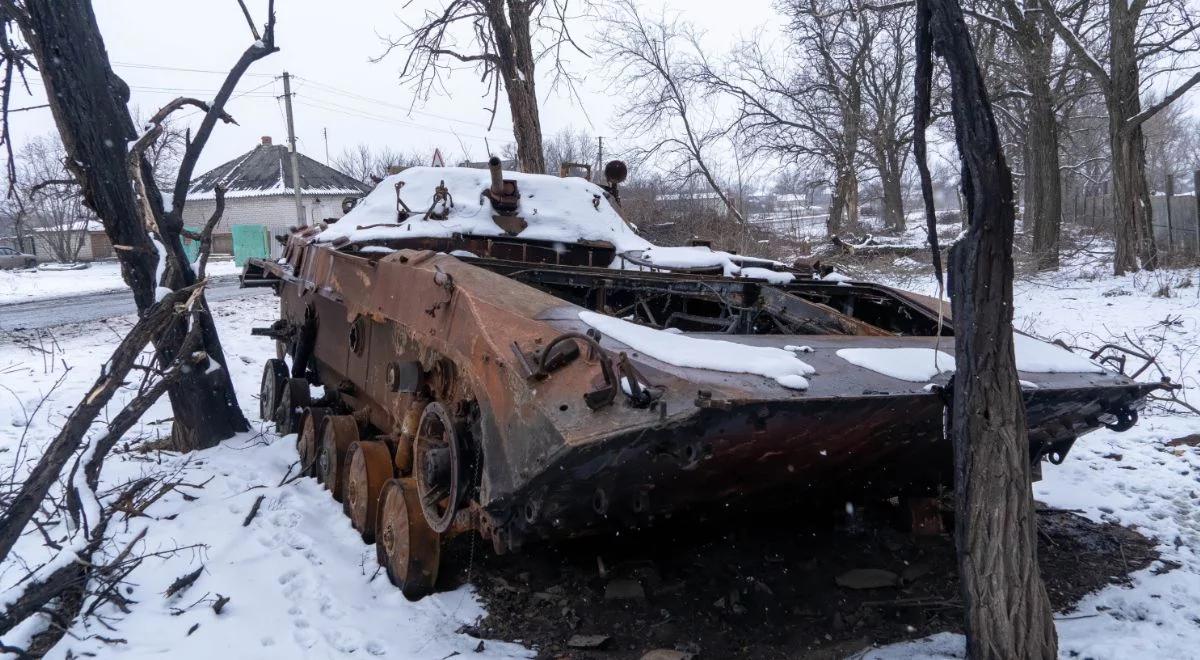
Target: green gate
(250,241)
(191,247)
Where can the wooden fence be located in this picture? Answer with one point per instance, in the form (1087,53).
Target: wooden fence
(1176,225)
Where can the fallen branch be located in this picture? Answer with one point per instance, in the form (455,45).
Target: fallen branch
(183,582)
(253,511)
(68,440)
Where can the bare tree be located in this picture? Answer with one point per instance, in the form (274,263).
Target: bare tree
(1028,84)
(1124,46)
(664,112)
(569,146)
(888,103)
(106,154)
(809,106)
(165,154)
(54,209)
(1172,146)
(370,164)
(1007,610)
(506,40)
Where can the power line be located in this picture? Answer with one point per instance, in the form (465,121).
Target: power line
(240,95)
(389,104)
(132,65)
(318,104)
(173,90)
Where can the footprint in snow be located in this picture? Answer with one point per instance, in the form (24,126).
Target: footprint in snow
(305,637)
(346,640)
(288,576)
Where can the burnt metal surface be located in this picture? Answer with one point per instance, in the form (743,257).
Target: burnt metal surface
(553,429)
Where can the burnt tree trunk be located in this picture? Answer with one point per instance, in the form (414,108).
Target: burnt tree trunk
(1007,611)
(514,50)
(90,106)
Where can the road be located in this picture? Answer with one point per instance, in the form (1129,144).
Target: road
(94,306)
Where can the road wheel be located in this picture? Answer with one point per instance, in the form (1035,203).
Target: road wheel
(439,465)
(296,398)
(337,434)
(370,466)
(270,391)
(309,439)
(406,546)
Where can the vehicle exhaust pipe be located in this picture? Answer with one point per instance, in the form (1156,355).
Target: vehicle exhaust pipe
(497,176)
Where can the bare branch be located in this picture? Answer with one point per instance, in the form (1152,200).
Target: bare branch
(1167,100)
(249,20)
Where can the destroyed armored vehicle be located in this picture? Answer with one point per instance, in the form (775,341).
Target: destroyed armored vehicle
(503,354)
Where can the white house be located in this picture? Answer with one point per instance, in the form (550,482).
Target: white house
(258,195)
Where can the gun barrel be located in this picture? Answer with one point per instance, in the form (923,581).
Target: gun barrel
(497,176)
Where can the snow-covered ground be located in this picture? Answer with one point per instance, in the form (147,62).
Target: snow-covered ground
(49,281)
(302,585)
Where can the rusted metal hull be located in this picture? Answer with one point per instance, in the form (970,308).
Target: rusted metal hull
(556,449)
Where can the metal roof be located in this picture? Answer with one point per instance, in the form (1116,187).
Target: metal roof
(266,170)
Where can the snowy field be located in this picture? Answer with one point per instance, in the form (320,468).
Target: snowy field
(302,585)
(50,282)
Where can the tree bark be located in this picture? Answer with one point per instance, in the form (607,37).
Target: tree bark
(514,50)
(843,207)
(891,166)
(1007,611)
(1131,197)
(1043,177)
(90,106)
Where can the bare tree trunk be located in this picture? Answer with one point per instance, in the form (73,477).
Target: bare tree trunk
(1043,181)
(1131,198)
(1008,613)
(891,179)
(843,207)
(89,103)
(515,53)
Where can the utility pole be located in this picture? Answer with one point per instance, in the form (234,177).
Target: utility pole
(325,132)
(600,158)
(287,104)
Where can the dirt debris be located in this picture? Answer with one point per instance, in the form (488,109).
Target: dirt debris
(763,588)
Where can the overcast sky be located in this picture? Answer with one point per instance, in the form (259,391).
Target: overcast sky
(328,47)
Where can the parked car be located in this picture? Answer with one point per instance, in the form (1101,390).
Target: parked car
(10,259)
